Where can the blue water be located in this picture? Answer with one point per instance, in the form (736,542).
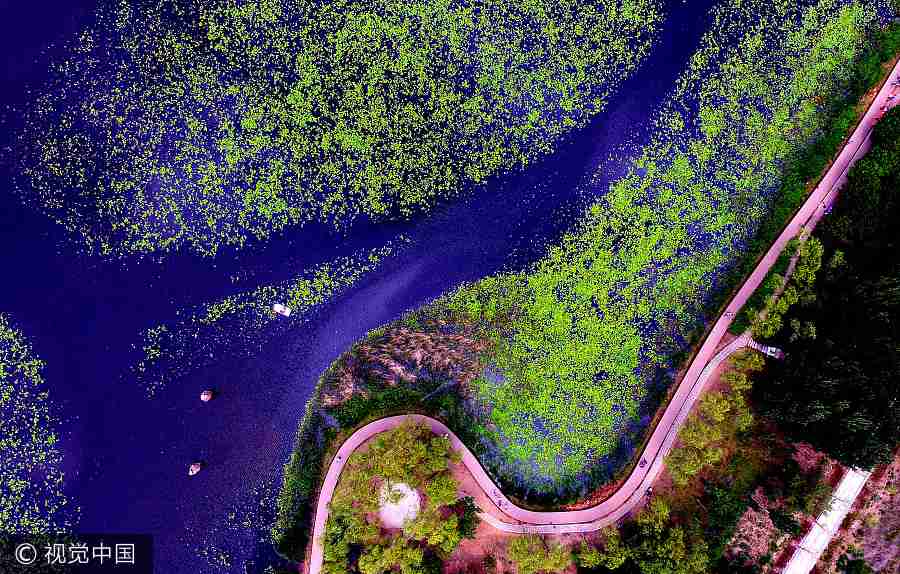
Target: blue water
(127,455)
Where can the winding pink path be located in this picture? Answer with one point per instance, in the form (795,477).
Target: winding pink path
(691,386)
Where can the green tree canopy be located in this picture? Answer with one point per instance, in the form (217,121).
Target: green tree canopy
(532,554)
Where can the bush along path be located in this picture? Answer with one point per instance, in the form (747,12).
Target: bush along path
(632,492)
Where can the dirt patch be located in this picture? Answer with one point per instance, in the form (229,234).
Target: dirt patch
(398,502)
(401,354)
(486,552)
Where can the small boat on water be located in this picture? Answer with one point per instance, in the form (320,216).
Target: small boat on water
(207,395)
(282,310)
(194,468)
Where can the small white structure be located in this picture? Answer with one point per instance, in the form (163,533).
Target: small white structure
(398,503)
(768,350)
(194,468)
(206,395)
(282,310)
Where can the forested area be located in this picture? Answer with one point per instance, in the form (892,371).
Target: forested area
(836,389)
(412,457)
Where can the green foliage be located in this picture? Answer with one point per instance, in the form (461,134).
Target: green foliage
(748,360)
(612,556)
(578,338)
(809,492)
(410,454)
(737,381)
(719,416)
(836,379)
(441,491)
(785,521)
(800,286)
(32,497)
(663,548)
(532,554)
(208,127)
(697,437)
(399,554)
(773,280)
(468,518)
(438,532)
(866,72)
(726,504)
(850,565)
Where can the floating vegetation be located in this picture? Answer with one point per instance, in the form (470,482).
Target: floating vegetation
(244,322)
(245,527)
(593,332)
(32,501)
(210,124)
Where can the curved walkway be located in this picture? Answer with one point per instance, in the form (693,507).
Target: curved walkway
(691,386)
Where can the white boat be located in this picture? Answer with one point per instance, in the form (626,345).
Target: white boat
(194,468)
(206,396)
(282,310)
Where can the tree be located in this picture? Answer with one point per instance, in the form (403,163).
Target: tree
(468,519)
(849,565)
(662,548)
(737,380)
(802,330)
(715,406)
(766,327)
(748,361)
(437,531)
(831,391)
(611,557)
(345,527)
(532,554)
(397,554)
(587,556)
(441,490)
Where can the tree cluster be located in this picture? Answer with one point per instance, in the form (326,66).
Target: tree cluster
(354,541)
(835,388)
(653,544)
(719,418)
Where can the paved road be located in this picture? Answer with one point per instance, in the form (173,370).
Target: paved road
(689,389)
(828,523)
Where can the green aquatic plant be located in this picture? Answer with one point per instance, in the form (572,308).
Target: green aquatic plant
(582,336)
(206,125)
(245,321)
(32,493)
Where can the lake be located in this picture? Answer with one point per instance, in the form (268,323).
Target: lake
(126,454)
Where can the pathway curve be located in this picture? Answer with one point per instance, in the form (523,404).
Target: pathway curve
(631,492)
